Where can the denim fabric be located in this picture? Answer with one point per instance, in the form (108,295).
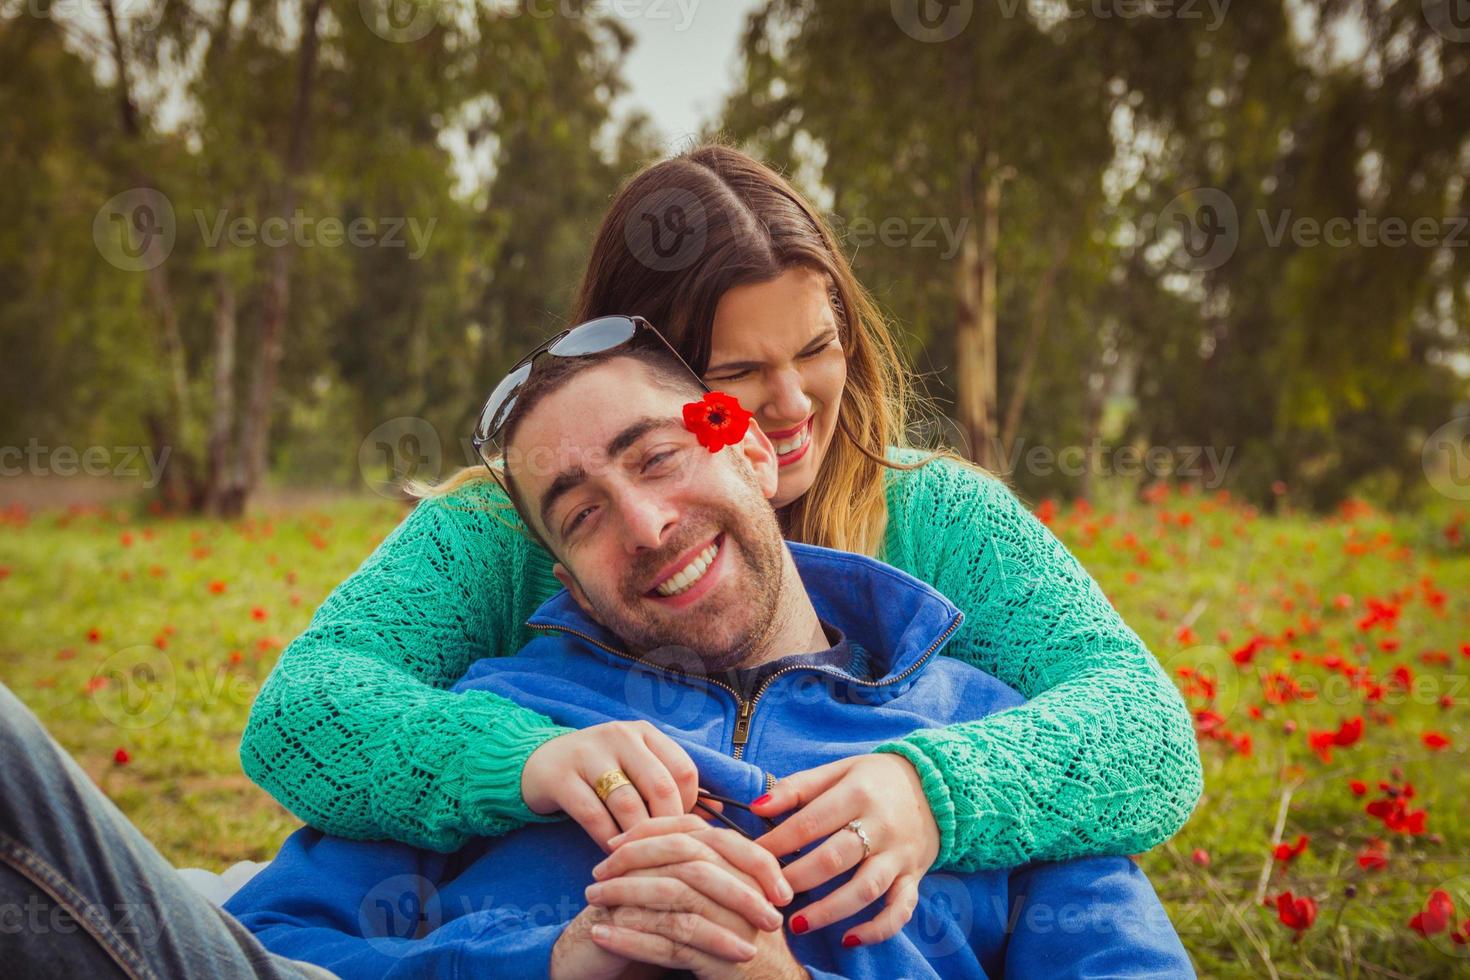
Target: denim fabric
(83,894)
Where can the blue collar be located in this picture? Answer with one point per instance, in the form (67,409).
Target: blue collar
(898,620)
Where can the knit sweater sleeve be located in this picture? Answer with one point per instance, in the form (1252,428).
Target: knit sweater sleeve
(1102,759)
(355,732)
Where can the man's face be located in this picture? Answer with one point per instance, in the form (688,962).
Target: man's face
(665,543)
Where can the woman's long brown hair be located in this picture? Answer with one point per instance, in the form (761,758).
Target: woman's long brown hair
(678,236)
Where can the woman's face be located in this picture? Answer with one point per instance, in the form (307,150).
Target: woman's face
(775,347)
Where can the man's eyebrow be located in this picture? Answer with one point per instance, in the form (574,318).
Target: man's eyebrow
(569,479)
(828,333)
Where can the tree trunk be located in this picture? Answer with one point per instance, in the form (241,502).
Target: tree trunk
(255,427)
(975,340)
(168,431)
(221,497)
(1040,314)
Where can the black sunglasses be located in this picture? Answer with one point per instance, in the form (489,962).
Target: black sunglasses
(599,336)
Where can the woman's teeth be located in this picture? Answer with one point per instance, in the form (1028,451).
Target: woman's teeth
(690,573)
(795,442)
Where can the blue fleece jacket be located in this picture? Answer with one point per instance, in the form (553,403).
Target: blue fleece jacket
(496,907)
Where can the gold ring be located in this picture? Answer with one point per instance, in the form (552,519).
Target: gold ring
(608,782)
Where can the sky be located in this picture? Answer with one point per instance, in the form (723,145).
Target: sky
(685,61)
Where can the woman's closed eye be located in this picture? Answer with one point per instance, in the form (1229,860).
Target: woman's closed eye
(805,355)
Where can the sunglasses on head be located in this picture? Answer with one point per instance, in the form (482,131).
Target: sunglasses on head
(600,336)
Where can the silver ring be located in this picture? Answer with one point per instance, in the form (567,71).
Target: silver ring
(856,826)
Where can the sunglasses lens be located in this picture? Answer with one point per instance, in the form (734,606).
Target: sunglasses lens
(502,400)
(595,336)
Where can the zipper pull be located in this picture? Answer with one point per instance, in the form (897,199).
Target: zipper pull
(742,723)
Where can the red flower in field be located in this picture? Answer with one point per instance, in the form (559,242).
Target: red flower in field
(121,757)
(1373,857)
(1289,852)
(126,538)
(258,614)
(1342,601)
(1349,732)
(1358,787)
(236,656)
(94,635)
(1247,653)
(1394,810)
(1296,913)
(1201,857)
(217,587)
(1438,912)
(1436,741)
(717,420)
(4,572)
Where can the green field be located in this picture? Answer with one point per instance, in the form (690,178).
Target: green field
(153,635)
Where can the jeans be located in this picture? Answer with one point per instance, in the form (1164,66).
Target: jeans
(83,893)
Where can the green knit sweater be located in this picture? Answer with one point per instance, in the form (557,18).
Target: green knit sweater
(355,732)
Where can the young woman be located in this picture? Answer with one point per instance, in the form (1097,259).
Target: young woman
(354,732)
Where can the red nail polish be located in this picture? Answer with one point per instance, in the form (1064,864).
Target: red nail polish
(850,941)
(763,798)
(798,924)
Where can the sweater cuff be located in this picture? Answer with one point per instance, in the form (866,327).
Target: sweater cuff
(492,773)
(941,803)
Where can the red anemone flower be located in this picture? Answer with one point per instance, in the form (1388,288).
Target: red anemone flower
(717,420)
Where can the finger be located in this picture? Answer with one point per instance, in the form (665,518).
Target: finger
(903,897)
(838,853)
(659,790)
(705,886)
(864,888)
(816,819)
(753,860)
(581,804)
(626,806)
(657,826)
(679,765)
(687,929)
(800,788)
(644,947)
(650,852)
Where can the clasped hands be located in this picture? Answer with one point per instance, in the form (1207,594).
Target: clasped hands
(677,893)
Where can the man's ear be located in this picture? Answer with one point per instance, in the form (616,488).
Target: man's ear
(569,580)
(757,449)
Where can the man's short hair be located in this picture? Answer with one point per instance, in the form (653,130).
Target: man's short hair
(552,373)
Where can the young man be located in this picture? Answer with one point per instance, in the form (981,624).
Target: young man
(684,607)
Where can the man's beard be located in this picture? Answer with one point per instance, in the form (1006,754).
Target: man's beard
(682,639)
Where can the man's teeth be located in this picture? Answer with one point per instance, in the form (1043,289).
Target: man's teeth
(795,442)
(690,573)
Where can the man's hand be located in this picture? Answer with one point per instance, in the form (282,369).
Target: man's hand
(576,957)
(684,895)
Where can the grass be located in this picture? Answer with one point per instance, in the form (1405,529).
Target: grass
(152,635)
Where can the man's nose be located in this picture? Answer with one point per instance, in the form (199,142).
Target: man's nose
(648,519)
(787,400)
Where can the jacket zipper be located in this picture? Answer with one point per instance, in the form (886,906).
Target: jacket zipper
(745,709)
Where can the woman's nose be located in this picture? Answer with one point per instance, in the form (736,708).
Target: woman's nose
(787,399)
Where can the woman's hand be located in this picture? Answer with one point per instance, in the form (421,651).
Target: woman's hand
(559,776)
(884,792)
